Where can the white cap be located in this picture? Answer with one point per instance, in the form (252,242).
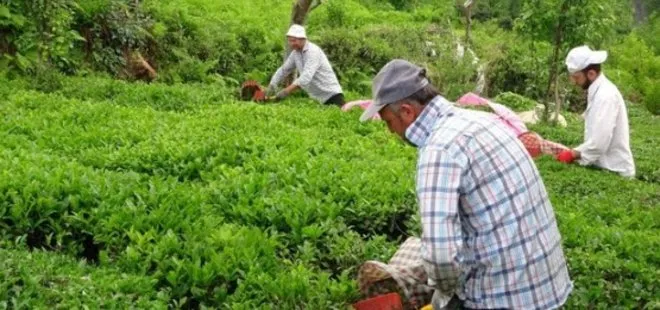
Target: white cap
(582,56)
(297,31)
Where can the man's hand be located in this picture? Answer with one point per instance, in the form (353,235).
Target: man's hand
(271,90)
(282,94)
(567,156)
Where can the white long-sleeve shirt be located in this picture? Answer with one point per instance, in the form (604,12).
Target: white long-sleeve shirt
(316,75)
(606,132)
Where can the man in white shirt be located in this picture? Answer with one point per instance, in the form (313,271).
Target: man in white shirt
(606,132)
(316,75)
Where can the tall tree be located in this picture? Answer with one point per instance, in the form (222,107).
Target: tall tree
(565,24)
(468,5)
(640,11)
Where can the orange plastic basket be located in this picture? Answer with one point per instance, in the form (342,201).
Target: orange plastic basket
(390,301)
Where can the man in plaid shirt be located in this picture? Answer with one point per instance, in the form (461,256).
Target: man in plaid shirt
(490,237)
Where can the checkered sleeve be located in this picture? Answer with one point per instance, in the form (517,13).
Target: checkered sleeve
(439,174)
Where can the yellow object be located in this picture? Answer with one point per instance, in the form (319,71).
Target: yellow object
(427,307)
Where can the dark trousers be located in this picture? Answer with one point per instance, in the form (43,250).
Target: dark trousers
(337,99)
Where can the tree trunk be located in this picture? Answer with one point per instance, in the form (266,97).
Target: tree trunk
(468,22)
(558,103)
(640,11)
(559,34)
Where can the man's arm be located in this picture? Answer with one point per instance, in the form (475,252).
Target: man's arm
(283,71)
(312,63)
(438,182)
(600,132)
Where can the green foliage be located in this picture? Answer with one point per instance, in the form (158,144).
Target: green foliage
(198,38)
(357,57)
(194,196)
(585,21)
(652,99)
(650,32)
(211,218)
(356,60)
(564,24)
(112,29)
(39,33)
(31,280)
(185,198)
(515,102)
(47,80)
(504,12)
(634,67)
(519,71)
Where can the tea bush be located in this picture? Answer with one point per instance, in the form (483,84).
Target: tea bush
(634,67)
(652,99)
(222,203)
(117,194)
(38,279)
(515,102)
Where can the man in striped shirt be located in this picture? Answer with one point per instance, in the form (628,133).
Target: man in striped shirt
(490,238)
(316,75)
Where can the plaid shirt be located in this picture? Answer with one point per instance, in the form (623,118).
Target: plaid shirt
(489,230)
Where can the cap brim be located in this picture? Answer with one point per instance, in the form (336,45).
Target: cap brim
(371,111)
(598,57)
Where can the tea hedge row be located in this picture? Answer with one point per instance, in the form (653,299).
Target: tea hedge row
(89,195)
(243,205)
(42,280)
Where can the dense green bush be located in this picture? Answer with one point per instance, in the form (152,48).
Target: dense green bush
(357,57)
(634,67)
(521,70)
(206,202)
(180,196)
(650,32)
(652,99)
(227,42)
(37,34)
(516,102)
(40,280)
(112,30)
(197,38)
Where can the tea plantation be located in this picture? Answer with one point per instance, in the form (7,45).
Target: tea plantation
(117,195)
(121,189)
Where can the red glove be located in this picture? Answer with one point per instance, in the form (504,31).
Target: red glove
(566,157)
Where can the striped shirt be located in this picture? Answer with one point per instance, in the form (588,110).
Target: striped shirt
(316,75)
(489,230)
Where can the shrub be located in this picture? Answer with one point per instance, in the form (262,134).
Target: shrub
(633,63)
(515,102)
(650,32)
(46,79)
(202,201)
(112,30)
(652,98)
(358,57)
(40,279)
(520,70)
